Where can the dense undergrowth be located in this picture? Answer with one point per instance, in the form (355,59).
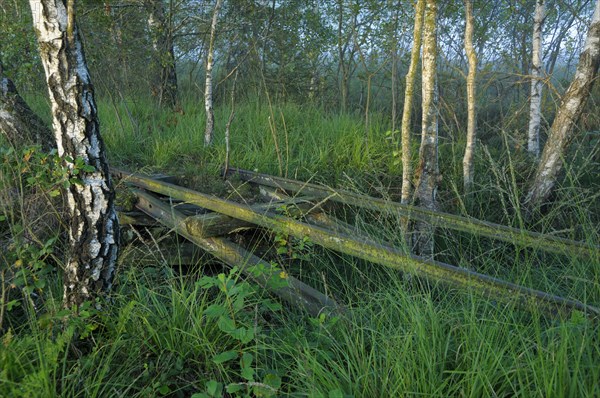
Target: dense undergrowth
(201,329)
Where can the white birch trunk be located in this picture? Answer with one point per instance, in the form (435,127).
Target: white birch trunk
(471,112)
(428,172)
(569,111)
(535,110)
(208,97)
(408,100)
(94,227)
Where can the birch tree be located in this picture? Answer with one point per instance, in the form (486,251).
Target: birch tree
(471,112)
(569,111)
(535,109)
(164,84)
(94,228)
(208,97)
(408,100)
(428,173)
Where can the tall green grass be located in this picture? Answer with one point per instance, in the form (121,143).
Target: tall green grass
(399,336)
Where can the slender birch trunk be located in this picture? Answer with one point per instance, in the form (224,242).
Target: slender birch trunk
(208,97)
(471,112)
(428,173)
(394,74)
(94,228)
(408,100)
(535,109)
(165,79)
(569,111)
(228,127)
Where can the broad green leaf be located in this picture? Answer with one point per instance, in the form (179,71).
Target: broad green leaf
(244,335)
(214,311)
(246,360)
(226,324)
(214,388)
(206,282)
(248,374)
(273,380)
(224,357)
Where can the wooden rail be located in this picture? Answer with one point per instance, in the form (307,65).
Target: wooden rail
(515,236)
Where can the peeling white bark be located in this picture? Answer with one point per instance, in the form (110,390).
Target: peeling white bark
(471,115)
(569,111)
(408,100)
(94,226)
(535,109)
(208,97)
(428,171)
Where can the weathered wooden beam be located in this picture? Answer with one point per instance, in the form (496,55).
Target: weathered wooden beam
(373,252)
(515,236)
(296,292)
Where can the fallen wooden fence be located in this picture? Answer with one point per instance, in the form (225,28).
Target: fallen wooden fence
(193,229)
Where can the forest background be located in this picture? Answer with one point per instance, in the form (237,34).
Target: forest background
(317,92)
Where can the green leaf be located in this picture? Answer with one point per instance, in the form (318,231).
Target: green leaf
(226,324)
(40,283)
(239,302)
(164,390)
(224,357)
(63,313)
(246,360)
(242,334)
(207,282)
(11,304)
(214,311)
(273,380)
(214,388)
(248,374)
(234,387)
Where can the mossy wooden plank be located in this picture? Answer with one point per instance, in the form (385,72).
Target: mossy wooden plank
(515,236)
